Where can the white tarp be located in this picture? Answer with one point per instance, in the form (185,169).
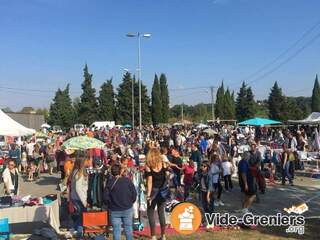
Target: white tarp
(313,118)
(9,127)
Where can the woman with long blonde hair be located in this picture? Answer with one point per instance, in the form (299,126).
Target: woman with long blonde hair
(157,189)
(78,191)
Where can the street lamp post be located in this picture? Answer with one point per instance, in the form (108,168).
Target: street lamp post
(138,35)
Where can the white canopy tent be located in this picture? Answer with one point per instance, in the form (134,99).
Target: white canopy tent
(313,118)
(9,127)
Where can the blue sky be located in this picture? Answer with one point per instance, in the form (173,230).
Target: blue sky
(44,45)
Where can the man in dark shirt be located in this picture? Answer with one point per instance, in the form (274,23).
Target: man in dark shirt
(119,195)
(246,182)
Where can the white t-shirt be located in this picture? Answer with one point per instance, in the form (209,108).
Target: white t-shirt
(30,148)
(226,166)
(214,170)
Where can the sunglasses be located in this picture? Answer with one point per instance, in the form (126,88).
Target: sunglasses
(203,165)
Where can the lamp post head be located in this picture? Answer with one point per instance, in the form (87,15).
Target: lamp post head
(131,34)
(147,35)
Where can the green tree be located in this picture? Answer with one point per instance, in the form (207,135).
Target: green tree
(277,104)
(315,99)
(262,109)
(124,100)
(165,101)
(43,112)
(88,107)
(292,110)
(76,106)
(304,103)
(156,107)
(251,104)
(220,102)
(229,106)
(106,102)
(27,110)
(245,104)
(145,104)
(241,103)
(61,111)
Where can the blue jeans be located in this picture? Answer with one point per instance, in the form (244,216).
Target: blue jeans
(286,173)
(122,217)
(77,217)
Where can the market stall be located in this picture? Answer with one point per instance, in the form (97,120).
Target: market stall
(28,210)
(312,119)
(10,127)
(259,122)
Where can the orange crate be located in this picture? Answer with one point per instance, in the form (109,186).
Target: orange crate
(95,222)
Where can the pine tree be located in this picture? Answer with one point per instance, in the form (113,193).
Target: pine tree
(124,100)
(315,99)
(219,106)
(88,107)
(165,101)
(156,107)
(245,104)
(106,102)
(61,110)
(241,103)
(277,103)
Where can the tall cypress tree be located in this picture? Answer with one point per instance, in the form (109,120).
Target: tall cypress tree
(88,107)
(106,102)
(220,102)
(315,99)
(229,109)
(251,104)
(165,101)
(277,103)
(76,106)
(145,104)
(156,107)
(124,100)
(55,109)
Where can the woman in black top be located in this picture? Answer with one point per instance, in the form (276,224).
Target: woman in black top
(156,173)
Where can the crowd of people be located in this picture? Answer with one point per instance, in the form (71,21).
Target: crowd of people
(181,163)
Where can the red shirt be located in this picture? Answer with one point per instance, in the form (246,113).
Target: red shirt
(188,174)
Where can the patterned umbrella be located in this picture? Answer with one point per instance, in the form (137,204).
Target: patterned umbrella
(41,135)
(82,142)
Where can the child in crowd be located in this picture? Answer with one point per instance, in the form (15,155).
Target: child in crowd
(24,162)
(227,170)
(188,171)
(204,187)
(31,170)
(215,187)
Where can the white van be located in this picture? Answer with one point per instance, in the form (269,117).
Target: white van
(103,124)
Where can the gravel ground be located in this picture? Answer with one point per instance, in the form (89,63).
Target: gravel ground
(273,201)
